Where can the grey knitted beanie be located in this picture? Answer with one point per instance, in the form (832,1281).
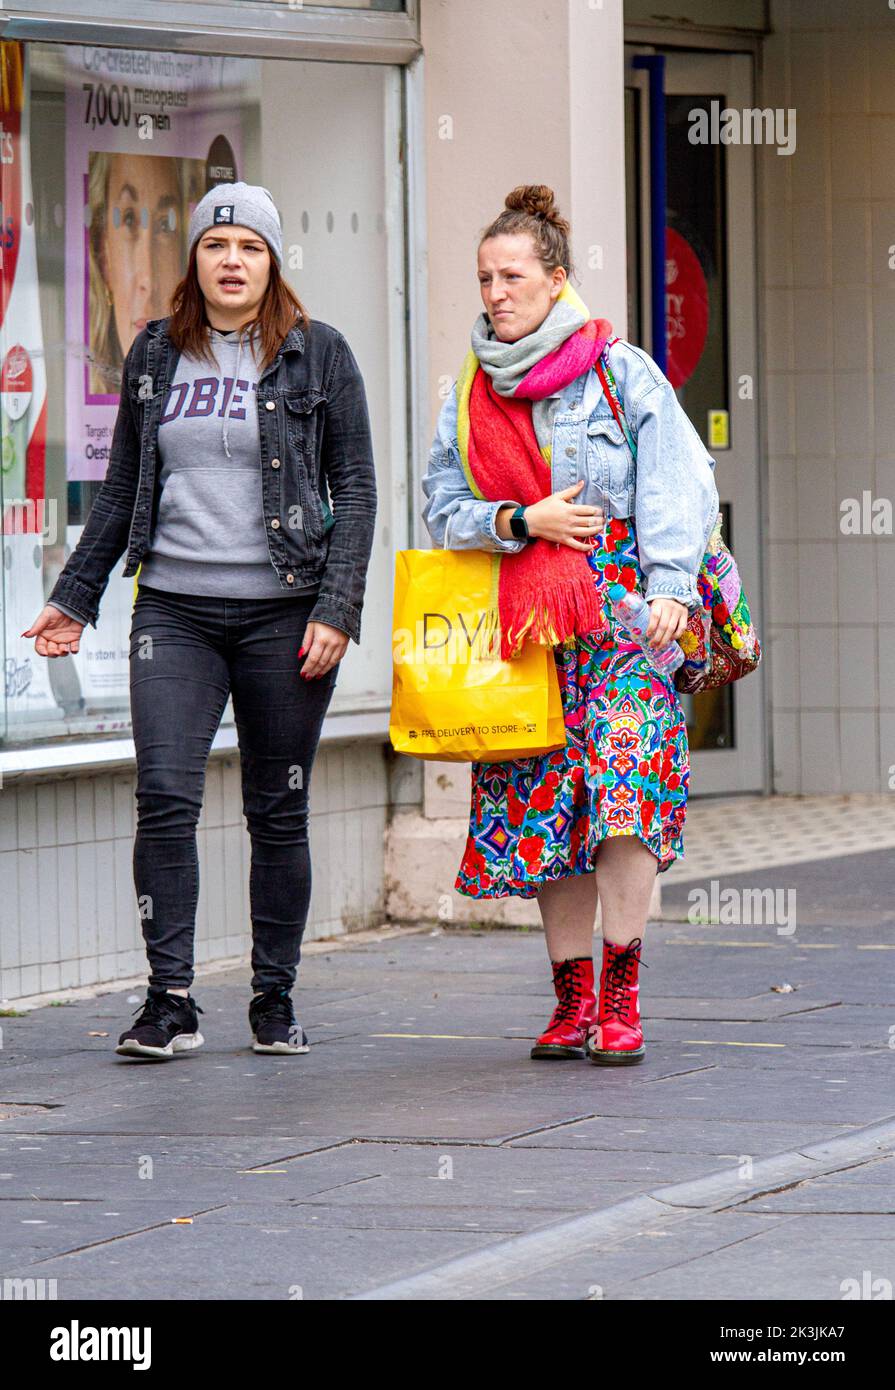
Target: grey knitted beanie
(239,205)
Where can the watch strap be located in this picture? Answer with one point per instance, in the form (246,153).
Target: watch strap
(518,525)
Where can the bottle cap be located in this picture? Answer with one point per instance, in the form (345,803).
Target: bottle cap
(617,591)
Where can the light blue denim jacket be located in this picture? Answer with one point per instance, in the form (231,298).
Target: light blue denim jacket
(670,491)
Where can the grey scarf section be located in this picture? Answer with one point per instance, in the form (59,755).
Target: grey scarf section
(507,363)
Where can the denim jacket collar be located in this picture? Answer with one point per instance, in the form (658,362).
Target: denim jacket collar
(575,395)
(294,340)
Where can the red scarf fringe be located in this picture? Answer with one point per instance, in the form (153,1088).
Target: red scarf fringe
(546,592)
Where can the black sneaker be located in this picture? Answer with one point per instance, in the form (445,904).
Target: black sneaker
(168,1024)
(273,1023)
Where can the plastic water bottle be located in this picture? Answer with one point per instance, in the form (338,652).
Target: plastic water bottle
(632,610)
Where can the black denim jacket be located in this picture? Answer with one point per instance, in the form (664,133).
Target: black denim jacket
(315,435)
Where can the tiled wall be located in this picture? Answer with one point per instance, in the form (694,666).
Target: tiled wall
(827,216)
(68,911)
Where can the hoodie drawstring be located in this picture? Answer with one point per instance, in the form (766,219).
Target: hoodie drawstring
(225,429)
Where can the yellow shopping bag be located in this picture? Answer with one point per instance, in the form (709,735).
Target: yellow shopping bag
(453,698)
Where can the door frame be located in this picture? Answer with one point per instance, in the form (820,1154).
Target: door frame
(740,470)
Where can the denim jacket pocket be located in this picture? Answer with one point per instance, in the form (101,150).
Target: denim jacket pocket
(304,419)
(609,462)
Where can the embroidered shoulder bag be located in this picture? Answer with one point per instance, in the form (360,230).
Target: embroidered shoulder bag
(720,642)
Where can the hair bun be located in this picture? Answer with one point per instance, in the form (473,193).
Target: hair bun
(537,200)
(530,210)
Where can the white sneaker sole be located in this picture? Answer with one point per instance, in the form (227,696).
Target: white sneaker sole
(182,1042)
(278,1046)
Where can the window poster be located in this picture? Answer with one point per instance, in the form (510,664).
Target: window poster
(147,134)
(23,386)
(23,399)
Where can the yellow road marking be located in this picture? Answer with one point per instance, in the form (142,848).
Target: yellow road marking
(463,1037)
(688,941)
(773,945)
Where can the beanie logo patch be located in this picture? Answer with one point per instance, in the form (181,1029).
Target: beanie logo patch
(223,213)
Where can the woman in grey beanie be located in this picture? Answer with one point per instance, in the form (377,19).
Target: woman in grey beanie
(239,421)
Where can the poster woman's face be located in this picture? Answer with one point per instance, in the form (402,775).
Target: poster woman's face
(141,257)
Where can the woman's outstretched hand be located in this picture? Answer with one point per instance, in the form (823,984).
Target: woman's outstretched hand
(558,518)
(56,633)
(667,621)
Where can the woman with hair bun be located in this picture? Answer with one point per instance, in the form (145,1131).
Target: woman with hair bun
(529,460)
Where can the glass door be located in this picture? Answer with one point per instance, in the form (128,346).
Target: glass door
(709,352)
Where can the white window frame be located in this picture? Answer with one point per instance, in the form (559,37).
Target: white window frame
(251,28)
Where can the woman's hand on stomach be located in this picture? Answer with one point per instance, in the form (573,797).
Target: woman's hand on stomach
(558,518)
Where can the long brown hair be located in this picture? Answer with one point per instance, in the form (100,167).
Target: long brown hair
(531,208)
(280,310)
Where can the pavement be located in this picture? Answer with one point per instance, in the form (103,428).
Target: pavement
(418,1153)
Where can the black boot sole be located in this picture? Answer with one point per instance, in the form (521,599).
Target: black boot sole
(555,1051)
(615,1059)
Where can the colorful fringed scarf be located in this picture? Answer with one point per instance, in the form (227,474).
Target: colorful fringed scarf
(545,592)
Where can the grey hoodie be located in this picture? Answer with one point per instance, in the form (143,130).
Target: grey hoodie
(210,536)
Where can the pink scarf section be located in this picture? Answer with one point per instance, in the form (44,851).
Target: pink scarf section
(572,358)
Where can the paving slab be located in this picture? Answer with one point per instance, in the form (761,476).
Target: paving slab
(249,1261)
(827,889)
(782,1263)
(722,1139)
(605,1275)
(198,1151)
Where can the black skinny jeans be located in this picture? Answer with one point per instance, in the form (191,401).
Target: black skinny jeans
(187,653)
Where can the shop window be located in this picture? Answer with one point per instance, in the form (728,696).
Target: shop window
(105,151)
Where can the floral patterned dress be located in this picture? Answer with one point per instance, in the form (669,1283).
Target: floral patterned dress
(624,771)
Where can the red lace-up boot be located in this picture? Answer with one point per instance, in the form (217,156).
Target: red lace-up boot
(575,1010)
(616,1035)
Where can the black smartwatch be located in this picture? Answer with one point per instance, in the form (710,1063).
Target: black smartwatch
(519,526)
